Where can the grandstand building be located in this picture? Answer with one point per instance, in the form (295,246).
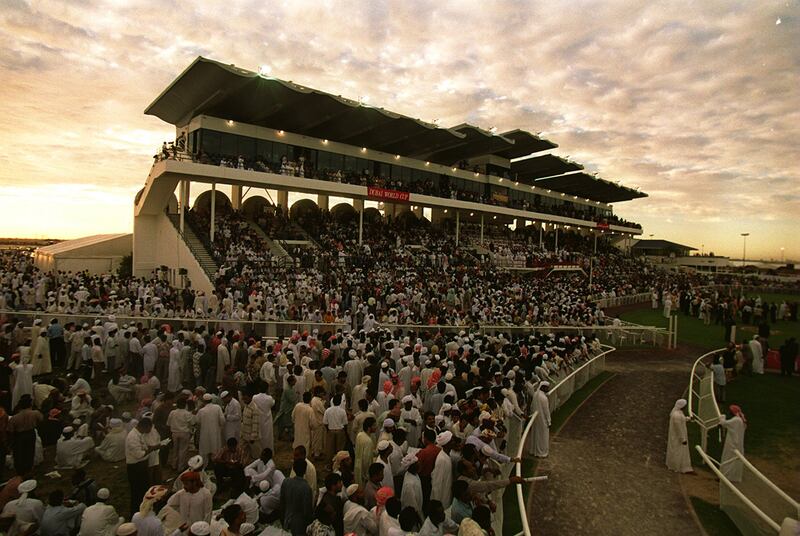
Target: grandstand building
(245,133)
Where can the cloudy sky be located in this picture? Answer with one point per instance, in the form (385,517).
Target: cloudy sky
(697,103)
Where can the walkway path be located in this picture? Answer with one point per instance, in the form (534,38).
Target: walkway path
(606,466)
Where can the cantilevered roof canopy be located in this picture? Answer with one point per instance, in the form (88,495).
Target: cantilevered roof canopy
(212,88)
(476,142)
(588,186)
(525,143)
(547,165)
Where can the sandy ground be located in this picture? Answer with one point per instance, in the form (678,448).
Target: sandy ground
(606,466)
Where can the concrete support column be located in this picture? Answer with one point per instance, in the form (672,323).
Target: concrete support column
(595,243)
(556,249)
(213,210)
(437,216)
(236,197)
(183,202)
(458,225)
(418,211)
(323,202)
(541,235)
(481,229)
(358,204)
(283,200)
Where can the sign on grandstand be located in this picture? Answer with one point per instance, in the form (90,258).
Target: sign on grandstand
(389,195)
(602,225)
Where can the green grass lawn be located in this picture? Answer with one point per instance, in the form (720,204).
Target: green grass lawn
(691,329)
(512,524)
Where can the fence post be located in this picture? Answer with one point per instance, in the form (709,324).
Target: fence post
(675,341)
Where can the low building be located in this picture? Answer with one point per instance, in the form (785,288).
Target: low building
(97,254)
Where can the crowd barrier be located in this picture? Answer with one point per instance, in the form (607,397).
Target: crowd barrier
(557,396)
(755,504)
(625,334)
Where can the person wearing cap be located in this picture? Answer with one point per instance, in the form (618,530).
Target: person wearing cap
(196,465)
(101,518)
(71,451)
(264,402)
(210,423)
(303,417)
(233,415)
(112,448)
(269,500)
(200,528)
(541,426)
(181,423)
(411,494)
(26,509)
(194,501)
(356,518)
(384,449)
(81,405)
(442,475)
(335,421)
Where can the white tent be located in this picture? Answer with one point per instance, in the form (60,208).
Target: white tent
(99,254)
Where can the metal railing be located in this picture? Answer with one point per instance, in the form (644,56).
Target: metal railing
(557,396)
(754,503)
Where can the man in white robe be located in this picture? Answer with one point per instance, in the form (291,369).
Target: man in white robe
(23,381)
(678,458)
(265,403)
(758,355)
(358,519)
(411,494)
(26,510)
(210,422)
(442,475)
(541,426)
(730,464)
(112,449)
(71,451)
(303,418)
(223,359)
(100,519)
(174,370)
(194,501)
(233,415)
(262,468)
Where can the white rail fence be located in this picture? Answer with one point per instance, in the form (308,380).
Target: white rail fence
(625,334)
(755,504)
(557,396)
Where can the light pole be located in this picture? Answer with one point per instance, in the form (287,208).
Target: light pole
(783,256)
(744,248)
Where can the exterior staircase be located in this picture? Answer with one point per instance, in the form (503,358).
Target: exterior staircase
(275,247)
(197,246)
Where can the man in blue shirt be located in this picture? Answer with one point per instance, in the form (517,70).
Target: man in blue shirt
(58,350)
(60,519)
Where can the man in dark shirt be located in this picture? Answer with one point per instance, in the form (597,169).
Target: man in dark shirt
(296,500)
(333,502)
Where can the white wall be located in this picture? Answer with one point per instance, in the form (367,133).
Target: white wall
(156,242)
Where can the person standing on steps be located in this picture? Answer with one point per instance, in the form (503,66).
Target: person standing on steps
(678,458)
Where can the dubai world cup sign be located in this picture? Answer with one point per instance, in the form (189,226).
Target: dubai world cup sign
(387,195)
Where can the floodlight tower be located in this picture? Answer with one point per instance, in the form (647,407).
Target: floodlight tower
(744,248)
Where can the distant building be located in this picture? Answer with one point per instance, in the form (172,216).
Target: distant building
(673,256)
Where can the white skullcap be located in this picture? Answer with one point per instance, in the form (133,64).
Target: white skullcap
(444,438)
(246,528)
(115,422)
(351,489)
(68,430)
(223,394)
(544,384)
(195,462)
(445,408)
(383,445)
(352,353)
(126,529)
(408,398)
(207,397)
(200,528)
(103,494)
(263,485)
(27,486)
(388,423)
